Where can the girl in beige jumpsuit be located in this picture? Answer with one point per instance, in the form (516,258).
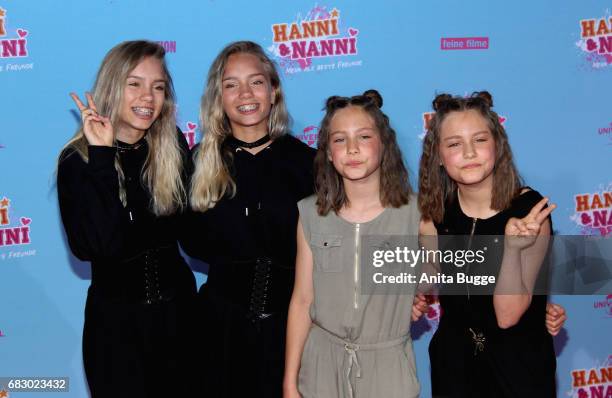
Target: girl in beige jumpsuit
(343,341)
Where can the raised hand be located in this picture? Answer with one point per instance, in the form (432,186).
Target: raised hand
(419,306)
(522,232)
(98,129)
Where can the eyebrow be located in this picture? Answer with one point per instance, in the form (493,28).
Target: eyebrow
(365,128)
(358,130)
(459,136)
(248,77)
(142,78)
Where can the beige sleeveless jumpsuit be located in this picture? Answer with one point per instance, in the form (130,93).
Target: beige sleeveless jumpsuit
(359,345)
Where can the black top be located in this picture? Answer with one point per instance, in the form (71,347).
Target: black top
(513,362)
(134,253)
(259,222)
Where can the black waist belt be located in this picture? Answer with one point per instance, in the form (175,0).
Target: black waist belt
(153,276)
(260,286)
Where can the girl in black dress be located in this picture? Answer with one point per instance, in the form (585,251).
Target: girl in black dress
(487,345)
(249,175)
(121,186)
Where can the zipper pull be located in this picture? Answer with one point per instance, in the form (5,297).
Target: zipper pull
(131,218)
(467,269)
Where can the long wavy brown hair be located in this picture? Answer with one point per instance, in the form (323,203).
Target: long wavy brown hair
(395,187)
(436,188)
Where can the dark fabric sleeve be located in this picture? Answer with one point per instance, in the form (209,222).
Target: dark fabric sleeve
(301,160)
(524,202)
(90,207)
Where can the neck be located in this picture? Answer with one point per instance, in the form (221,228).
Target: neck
(475,200)
(249,135)
(363,194)
(129,136)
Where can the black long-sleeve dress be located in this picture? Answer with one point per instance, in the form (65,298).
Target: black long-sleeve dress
(470,355)
(139,315)
(249,241)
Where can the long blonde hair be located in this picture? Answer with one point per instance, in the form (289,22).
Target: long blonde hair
(212,179)
(163,167)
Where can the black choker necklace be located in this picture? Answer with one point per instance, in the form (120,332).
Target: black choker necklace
(236,143)
(124,146)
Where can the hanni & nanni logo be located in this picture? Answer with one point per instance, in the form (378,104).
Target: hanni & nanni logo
(593,382)
(190,134)
(16,236)
(596,41)
(594,212)
(434,313)
(13,45)
(321,36)
(427,116)
(309,136)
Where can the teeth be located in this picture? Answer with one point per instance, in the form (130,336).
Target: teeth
(143,111)
(247,108)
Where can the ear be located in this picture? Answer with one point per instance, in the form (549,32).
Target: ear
(329,157)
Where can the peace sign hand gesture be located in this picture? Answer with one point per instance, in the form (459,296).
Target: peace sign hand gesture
(522,232)
(98,129)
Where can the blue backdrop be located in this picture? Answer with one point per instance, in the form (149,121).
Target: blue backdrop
(548,66)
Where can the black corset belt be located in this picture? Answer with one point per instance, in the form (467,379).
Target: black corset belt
(153,276)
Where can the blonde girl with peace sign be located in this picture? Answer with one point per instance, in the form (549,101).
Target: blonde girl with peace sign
(121,186)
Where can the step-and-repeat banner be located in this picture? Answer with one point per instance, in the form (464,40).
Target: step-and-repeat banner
(548,65)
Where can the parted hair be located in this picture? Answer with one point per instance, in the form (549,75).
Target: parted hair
(395,187)
(436,188)
(163,166)
(212,178)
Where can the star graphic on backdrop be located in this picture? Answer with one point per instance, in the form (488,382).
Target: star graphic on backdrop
(4,203)
(3,394)
(334,13)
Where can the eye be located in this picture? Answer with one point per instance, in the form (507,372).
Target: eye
(365,136)
(258,82)
(160,88)
(337,140)
(133,84)
(229,85)
(453,145)
(482,139)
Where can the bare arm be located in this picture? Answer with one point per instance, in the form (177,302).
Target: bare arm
(525,247)
(428,240)
(299,321)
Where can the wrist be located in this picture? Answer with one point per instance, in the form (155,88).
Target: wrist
(290,384)
(513,244)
